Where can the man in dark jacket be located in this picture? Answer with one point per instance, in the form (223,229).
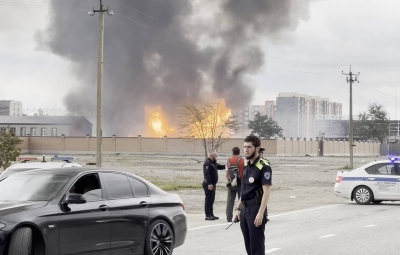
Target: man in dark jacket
(210,171)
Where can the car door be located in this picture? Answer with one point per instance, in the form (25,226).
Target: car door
(129,213)
(385,180)
(85,228)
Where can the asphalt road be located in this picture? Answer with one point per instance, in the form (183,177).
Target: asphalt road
(334,229)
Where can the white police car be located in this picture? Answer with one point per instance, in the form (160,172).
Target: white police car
(374,182)
(32,163)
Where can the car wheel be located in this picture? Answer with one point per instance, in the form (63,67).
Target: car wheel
(21,242)
(160,239)
(377,201)
(363,195)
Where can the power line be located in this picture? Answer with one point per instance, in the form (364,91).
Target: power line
(16,4)
(271,68)
(174,25)
(274,68)
(145,14)
(35,6)
(375,91)
(293,61)
(144,25)
(160,39)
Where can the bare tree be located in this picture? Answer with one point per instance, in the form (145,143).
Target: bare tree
(213,123)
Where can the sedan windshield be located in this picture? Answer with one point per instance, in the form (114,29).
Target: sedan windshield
(31,187)
(14,171)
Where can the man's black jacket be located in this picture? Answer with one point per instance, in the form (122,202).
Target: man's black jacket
(210,171)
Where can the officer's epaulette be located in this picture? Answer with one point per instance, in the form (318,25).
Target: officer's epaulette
(261,163)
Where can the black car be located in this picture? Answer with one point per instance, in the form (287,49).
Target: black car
(87,211)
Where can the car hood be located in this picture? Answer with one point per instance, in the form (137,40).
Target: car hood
(8,207)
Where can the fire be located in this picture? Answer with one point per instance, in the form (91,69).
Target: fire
(157,122)
(214,124)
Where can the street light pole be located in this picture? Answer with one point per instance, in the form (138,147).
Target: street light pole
(351,80)
(99,131)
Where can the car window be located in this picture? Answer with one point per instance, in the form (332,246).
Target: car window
(138,187)
(31,187)
(88,186)
(117,186)
(383,169)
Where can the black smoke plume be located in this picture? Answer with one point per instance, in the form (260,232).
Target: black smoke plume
(164,52)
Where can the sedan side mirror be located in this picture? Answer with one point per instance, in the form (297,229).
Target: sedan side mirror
(74,198)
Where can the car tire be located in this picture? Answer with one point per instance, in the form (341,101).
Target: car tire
(377,201)
(363,195)
(160,239)
(21,242)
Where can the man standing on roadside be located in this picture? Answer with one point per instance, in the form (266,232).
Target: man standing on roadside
(256,187)
(210,171)
(234,164)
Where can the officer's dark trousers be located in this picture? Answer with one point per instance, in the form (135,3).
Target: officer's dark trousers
(210,198)
(254,237)
(230,203)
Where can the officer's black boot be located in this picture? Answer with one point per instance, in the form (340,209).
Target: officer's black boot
(209,217)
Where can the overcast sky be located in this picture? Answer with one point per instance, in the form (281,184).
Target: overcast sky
(308,59)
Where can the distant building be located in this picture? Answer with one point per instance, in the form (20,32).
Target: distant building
(10,108)
(246,115)
(46,125)
(270,109)
(296,113)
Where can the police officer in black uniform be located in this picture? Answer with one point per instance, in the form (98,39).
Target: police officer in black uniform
(210,171)
(261,152)
(252,206)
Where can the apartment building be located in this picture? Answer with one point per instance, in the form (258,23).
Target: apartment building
(296,113)
(270,109)
(10,108)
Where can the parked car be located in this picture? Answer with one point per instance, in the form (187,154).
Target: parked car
(374,182)
(30,163)
(76,210)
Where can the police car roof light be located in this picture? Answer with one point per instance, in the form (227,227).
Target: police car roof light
(63,158)
(394,158)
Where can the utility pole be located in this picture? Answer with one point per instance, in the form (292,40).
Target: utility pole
(99,131)
(351,80)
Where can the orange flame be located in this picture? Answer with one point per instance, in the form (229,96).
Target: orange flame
(157,122)
(215,121)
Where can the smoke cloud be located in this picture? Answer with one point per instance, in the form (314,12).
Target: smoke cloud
(164,53)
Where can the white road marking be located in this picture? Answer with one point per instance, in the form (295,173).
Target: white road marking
(270,216)
(209,226)
(299,165)
(271,250)
(326,236)
(369,226)
(304,210)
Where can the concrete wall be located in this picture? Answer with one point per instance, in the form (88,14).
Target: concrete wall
(48,145)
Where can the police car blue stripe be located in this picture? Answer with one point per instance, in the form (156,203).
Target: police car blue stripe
(376,179)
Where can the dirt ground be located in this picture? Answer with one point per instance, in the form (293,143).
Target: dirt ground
(297,182)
